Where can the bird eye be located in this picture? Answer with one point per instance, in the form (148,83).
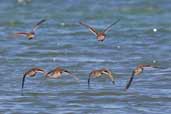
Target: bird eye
(105,71)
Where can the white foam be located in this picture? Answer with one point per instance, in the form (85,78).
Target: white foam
(154,30)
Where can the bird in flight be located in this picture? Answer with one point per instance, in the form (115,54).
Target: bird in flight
(101,35)
(100,72)
(57,73)
(31,73)
(30,35)
(137,71)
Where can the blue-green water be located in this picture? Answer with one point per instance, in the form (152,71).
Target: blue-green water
(61,41)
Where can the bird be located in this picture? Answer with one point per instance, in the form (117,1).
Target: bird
(57,73)
(30,35)
(101,35)
(100,72)
(31,73)
(137,71)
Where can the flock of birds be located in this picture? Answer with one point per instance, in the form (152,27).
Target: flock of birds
(59,71)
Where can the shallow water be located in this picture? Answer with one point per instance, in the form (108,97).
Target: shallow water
(61,41)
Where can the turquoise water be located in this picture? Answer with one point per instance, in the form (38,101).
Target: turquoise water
(61,41)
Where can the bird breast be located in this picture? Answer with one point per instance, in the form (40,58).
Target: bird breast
(96,74)
(138,71)
(56,75)
(31,73)
(101,36)
(30,36)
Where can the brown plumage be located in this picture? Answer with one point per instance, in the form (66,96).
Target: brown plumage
(99,35)
(31,73)
(57,73)
(137,71)
(30,35)
(101,72)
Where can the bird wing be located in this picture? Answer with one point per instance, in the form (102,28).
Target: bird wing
(109,74)
(75,77)
(108,28)
(147,65)
(38,25)
(22,33)
(89,27)
(48,73)
(40,70)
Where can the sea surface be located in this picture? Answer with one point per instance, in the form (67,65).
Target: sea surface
(62,41)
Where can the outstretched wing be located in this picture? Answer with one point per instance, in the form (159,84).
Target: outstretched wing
(38,25)
(146,65)
(109,74)
(89,27)
(48,74)
(111,77)
(108,28)
(14,35)
(75,77)
(22,33)
(130,81)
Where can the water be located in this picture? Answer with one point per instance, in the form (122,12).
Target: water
(61,41)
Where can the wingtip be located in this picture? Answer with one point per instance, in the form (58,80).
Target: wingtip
(77,79)
(119,19)
(113,82)
(80,22)
(126,88)
(46,75)
(43,20)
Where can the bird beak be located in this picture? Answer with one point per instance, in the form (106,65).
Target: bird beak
(130,81)
(89,82)
(23,80)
